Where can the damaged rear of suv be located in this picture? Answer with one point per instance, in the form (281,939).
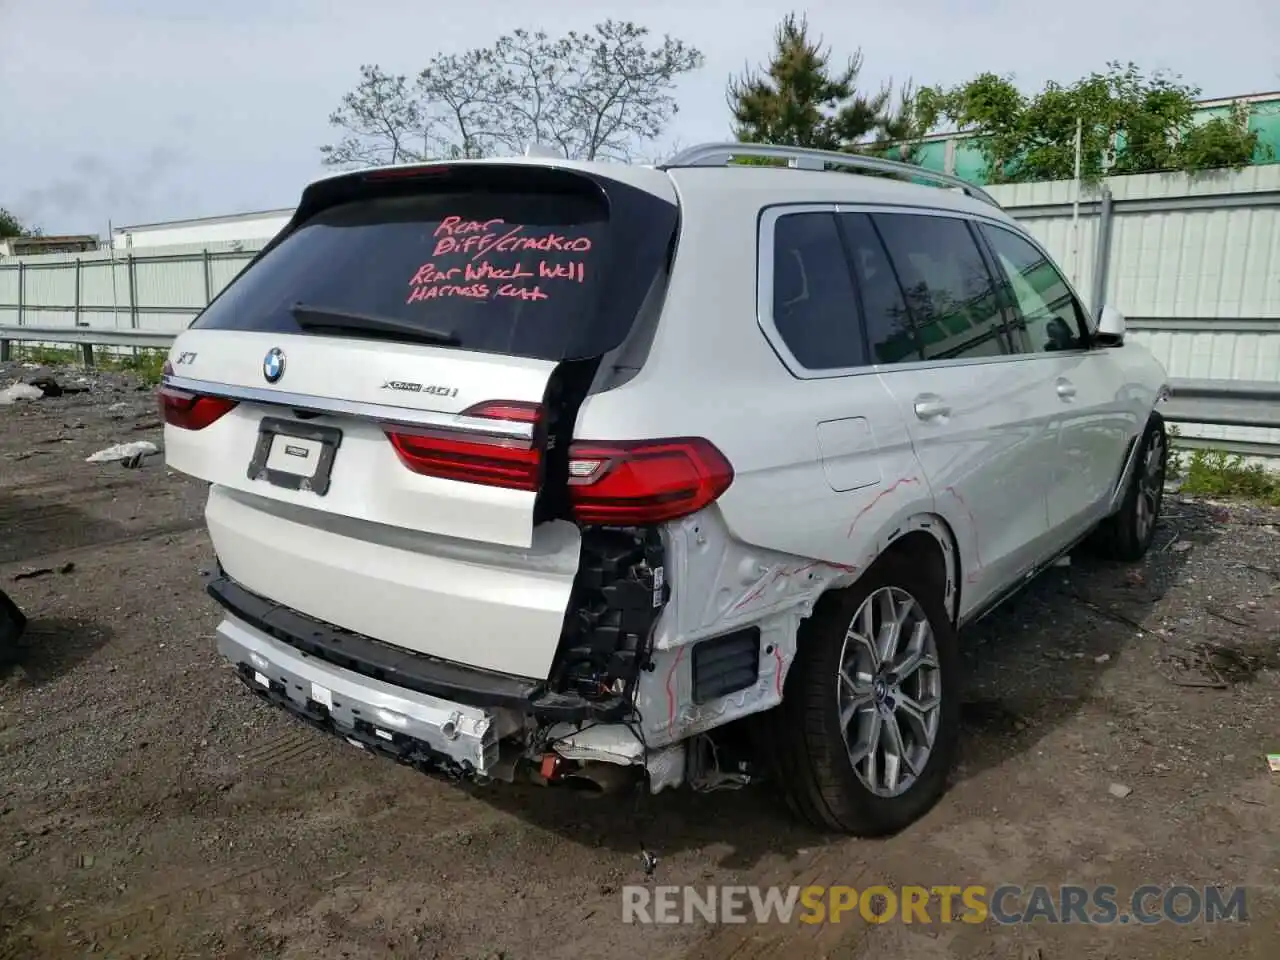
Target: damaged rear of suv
(412,545)
(558,469)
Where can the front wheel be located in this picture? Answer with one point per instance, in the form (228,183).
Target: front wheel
(870,720)
(1127,534)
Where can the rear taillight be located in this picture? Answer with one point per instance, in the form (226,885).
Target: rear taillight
(475,457)
(637,482)
(191,411)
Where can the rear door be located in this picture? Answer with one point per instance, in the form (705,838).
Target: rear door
(393,356)
(1095,423)
(977,417)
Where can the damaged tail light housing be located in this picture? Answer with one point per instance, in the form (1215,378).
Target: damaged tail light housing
(191,411)
(474,456)
(639,482)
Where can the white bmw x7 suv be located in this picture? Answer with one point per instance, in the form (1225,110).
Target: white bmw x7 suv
(552,470)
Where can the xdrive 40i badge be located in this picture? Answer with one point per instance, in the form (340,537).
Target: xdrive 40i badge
(435,389)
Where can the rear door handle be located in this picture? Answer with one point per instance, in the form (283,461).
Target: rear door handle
(930,406)
(1066,389)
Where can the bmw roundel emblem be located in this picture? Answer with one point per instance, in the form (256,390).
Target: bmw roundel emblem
(273,365)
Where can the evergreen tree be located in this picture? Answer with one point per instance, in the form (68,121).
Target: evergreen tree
(801,99)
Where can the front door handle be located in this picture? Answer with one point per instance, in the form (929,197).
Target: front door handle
(930,406)
(1066,389)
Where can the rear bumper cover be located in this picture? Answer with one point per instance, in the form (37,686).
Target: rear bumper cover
(408,672)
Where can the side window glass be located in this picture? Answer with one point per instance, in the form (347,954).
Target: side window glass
(950,295)
(814,308)
(884,311)
(1049,316)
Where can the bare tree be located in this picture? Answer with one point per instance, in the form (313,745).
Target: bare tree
(602,94)
(459,104)
(660,156)
(597,95)
(382,119)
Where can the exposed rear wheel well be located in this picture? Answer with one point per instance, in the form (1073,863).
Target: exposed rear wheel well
(931,543)
(923,548)
(927,540)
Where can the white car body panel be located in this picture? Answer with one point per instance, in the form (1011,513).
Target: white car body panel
(492,607)
(987,464)
(1113,392)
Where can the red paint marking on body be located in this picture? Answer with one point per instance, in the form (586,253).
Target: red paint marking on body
(759,589)
(779,574)
(879,496)
(671,694)
(777,676)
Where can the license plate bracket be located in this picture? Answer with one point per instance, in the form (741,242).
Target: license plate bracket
(295,455)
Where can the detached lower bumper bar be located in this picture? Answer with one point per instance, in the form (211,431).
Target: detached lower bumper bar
(413,726)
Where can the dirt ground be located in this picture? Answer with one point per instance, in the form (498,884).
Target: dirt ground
(150,807)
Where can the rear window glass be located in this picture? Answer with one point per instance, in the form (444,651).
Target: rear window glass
(517,273)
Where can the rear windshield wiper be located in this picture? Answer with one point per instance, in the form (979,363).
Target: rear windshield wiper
(312,317)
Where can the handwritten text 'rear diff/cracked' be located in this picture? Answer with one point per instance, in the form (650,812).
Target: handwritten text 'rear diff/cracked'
(483,237)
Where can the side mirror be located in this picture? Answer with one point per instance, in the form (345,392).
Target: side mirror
(1111,327)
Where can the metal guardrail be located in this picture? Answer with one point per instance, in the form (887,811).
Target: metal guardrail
(1224,403)
(1228,403)
(86,337)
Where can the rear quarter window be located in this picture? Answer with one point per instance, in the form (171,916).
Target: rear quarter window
(814,308)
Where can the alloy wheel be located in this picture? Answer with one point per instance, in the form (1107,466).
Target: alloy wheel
(889,691)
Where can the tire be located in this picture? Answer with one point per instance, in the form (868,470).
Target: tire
(12,624)
(806,745)
(1127,534)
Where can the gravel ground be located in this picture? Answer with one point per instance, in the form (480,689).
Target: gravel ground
(1117,721)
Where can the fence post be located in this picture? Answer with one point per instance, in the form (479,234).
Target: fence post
(208,278)
(77,315)
(22,288)
(86,349)
(1102,253)
(133,293)
(6,346)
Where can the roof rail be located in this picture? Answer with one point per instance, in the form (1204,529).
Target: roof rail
(804,158)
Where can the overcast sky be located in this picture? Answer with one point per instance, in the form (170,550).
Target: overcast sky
(145,110)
